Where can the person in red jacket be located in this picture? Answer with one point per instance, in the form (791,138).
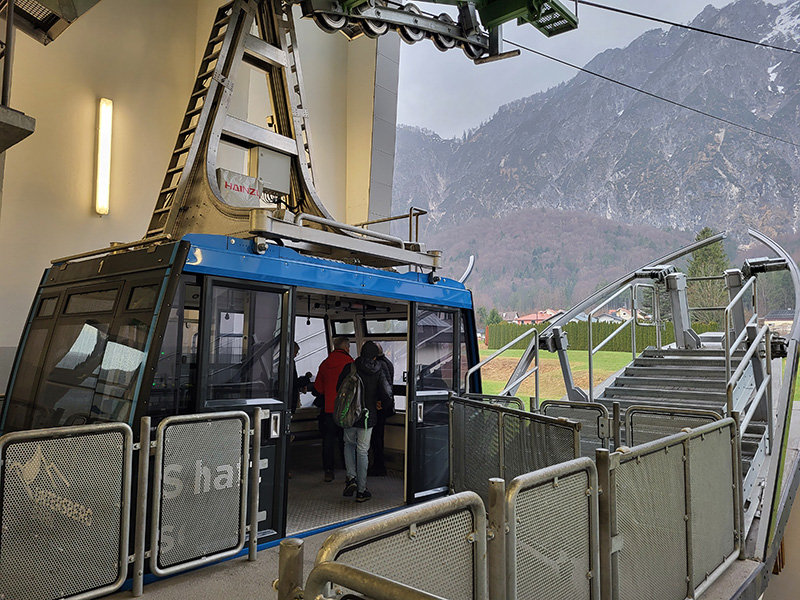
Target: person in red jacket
(325,385)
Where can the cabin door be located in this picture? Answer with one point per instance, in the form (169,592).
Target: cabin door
(432,357)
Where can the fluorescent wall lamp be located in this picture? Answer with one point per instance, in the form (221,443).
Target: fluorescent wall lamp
(106,112)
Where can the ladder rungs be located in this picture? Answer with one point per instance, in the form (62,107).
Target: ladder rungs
(182,150)
(212,56)
(162,210)
(188,130)
(207,74)
(219,38)
(174,170)
(169,189)
(195,111)
(154,232)
(201,92)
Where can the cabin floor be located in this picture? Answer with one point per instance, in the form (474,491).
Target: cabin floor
(314,504)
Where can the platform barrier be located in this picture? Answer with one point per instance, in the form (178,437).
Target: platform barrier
(65,511)
(552,543)
(199,490)
(593,417)
(438,548)
(645,423)
(673,510)
(511,442)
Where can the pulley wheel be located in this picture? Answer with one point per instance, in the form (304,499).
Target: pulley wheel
(330,23)
(442,41)
(372,28)
(473,51)
(411,35)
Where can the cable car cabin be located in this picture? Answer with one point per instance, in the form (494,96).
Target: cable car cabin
(207,324)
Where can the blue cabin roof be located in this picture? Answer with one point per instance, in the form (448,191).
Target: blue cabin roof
(226,256)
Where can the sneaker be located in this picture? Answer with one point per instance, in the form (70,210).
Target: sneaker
(328,476)
(363,496)
(350,487)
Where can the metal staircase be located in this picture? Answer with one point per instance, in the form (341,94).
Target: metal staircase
(673,377)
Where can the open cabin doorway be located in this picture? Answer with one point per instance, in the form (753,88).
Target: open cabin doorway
(313,503)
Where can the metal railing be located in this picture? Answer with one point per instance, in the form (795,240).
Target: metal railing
(512,442)
(670,513)
(533,347)
(552,546)
(65,511)
(200,471)
(646,423)
(633,288)
(438,547)
(413,216)
(596,428)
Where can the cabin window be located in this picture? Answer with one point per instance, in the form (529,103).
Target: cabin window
(174,386)
(97,301)
(47,307)
(344,328)
(245,344)
(143,297)
(27,377)
(386,326)
(464,358)
(435,349)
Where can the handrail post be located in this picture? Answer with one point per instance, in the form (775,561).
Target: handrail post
(255,472)
(290,569)
(496,544)
(635,317)
(141,508)
(770,416)
(591,357)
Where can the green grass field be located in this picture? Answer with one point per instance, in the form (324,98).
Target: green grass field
(551,384)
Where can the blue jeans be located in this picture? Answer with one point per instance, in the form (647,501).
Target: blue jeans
(356,448)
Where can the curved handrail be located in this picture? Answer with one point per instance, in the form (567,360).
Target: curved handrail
(626,279)
(776,499)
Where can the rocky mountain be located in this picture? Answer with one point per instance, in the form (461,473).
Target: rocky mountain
(590,145)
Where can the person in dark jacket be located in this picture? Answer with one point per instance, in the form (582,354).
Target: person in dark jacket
(378,467)
(377,392)
(326,384)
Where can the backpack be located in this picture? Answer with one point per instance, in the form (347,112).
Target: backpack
(349,404)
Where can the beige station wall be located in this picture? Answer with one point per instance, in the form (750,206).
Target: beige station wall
(143,55)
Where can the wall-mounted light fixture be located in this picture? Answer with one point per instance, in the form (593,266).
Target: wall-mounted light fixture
(105,115)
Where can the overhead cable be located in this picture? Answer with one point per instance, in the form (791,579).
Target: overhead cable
(651,94)
(689,27)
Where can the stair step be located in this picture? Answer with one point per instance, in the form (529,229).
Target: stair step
(671,383)
(675,403)
(705,373)
(700,361)
(670,395)
(687,352)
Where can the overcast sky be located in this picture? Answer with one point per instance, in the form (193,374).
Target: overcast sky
(447,93)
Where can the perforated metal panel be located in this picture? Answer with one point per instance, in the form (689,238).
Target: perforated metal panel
(647,425)
(475,431)
(529,445)
(62,515)
(589,417)
(200,513)
(651,501)
(553,540)
(435,557)
(711,481)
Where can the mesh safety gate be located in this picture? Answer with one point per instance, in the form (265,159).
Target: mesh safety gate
(649,423)
(199,490)
(677,504)
(492,441)
(553,540)
(592,416)
(65,511)
(438,547)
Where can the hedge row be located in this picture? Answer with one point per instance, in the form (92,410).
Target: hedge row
(500,334)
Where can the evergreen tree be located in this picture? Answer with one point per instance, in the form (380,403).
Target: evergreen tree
(710,261)
(482,316)
(494,317)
